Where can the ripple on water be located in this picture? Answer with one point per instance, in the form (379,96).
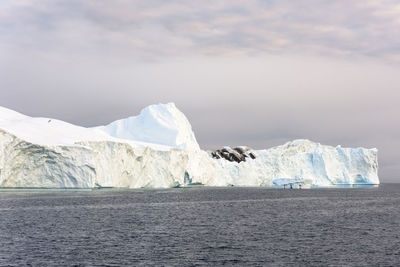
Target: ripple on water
(211,226)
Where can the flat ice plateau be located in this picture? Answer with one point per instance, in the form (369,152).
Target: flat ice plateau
(158,149)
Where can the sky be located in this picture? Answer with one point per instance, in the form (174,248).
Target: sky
(244,72)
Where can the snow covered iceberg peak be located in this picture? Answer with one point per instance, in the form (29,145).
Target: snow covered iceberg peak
(162,124)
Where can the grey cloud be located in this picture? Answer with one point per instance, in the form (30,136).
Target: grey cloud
(157,28)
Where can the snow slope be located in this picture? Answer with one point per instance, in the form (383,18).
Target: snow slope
(46,131)
(158,149)
(163,123)
(157,124)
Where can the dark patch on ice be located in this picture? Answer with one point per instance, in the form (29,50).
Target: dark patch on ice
(237,154)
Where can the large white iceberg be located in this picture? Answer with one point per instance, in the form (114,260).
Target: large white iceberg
(158,149)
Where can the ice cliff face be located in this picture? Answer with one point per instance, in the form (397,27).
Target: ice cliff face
(158,149)
(306,161)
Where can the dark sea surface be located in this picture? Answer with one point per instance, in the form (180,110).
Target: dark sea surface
(201,226)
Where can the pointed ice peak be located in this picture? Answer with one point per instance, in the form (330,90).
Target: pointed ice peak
(158,107)
(162,124)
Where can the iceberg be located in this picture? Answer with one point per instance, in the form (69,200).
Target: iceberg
(158,149)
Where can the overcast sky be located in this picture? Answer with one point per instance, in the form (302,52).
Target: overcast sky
(244,72)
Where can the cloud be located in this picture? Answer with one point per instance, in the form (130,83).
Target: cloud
(157,29)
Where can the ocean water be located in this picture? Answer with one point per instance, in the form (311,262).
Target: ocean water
(201,226)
